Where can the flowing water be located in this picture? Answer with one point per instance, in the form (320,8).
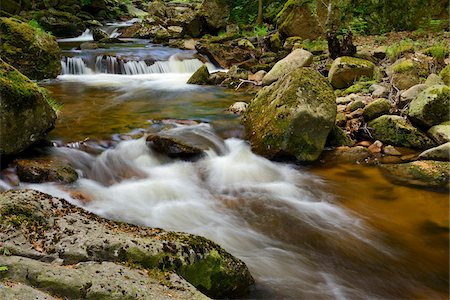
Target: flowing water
(317,232)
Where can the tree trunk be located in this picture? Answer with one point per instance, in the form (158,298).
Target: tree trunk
(259,20)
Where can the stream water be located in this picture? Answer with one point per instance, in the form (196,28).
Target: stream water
(317,232)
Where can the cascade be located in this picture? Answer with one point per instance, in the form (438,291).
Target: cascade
(74,66)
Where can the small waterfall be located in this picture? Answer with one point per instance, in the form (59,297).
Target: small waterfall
(75,66)
(112,65)
(86,36)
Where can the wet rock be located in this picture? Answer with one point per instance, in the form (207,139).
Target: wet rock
(431,106)
(237,73)
(445,75)
(88,46)
(60,23)
(441,152)
(410,94)
(429,174)
(36,226)
(395,130)
(238,108)
(296,59)
(292,117)
(440,133)
(375,147)
(346,154)
(34,53)
(391,150)
(98,34)
(377,108)
(339,137)
(45,170)
(217,78)
(300,19)
(434,79)
(25,114)
(200,76)
(345,70)
(224,54)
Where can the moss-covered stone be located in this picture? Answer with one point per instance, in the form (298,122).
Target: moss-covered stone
(406,73)
(275,41)
(59,23)
(431,174)
(200,76)
(441,152)
(339,137)
(345,70)
(394,130)
(431,106)
(358,103)
(377,108)
(45,170)
(434,79)
(25,114)
(445,75)
(32,51)
(215,13)
(296,59)
(293,116)
(440,133)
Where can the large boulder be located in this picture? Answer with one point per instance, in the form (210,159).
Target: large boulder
(200,76)
(40,227)
(25,114)
(296,59)
(224,54)
(431,106)
(60,23)
(406,73)
(299,18)
(33,52)
(441,152)
(345,70)
(215,13)
(293,116)
(395,130)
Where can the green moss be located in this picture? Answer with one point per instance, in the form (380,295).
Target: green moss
(445,74)
(338,137)
(431,106)
(403,66)
(377,108)
(200,76)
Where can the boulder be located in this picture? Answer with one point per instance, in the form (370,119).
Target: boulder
(60,23)
(445,75)
(441,152)
(345,70)
(397,131)
(346,154)
(244,43)
(440,133)
(15,290)
(406,73)
(410,94)
(292,117)
(98,34)
(45,170)
(33,52)
(296,59)
(429,174)
(238,108)
(434,79)
(37,228)
(299,18)
(215,13)
(25,114)
(339,137)
(200,76)
(377,108)
(224,54)
(379,91)
(431,106)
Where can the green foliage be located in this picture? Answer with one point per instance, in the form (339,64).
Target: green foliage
(3,268)
(439,51)
(246,11)
(86,2)
(396,50)
(260,30)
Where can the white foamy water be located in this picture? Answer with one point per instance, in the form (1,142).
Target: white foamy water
(276,218)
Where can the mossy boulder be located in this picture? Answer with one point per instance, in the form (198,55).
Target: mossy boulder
(434,79)
(200,76)
(431,106)
(25,114)
(33,52)
(345,70)
(339,137)
(377,108)
(45,170)
(445,75)
(296,59)
(429,174)
(215,13)
(59,23)
(300,18)
(441,152)
(406,73)
(395,130)
(38,226)
(293,116)
(440,133)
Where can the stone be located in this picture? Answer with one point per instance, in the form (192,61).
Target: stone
(345,70)
(257,77)
(237,73)
(377,108)
(175,31)
(296,59)
(339,137)
(200,76)
(293,116)
(299,18)
(232,29)
(407,96)
(25,113)
(45,170)
(244,43)
(215,13)
(355,105)
(396,131)
(345,154)
(441,152)
(434,79)
(431,106)
(445,75)
(275,42)
(98,34)
(102,251)
(33,52)
(224,54)
(88,45)
(15,290)
(375,147)
(405,73)
(59,23)
(440,133)
(379,91)
(238,108)
(428,174)
(391,150)
(380,52)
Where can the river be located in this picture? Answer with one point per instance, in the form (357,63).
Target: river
(334,231)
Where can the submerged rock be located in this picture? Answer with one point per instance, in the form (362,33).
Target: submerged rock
(395,130)
(25,114)
(200,76)
(292,117)
(33,52)
(431,106)
(430,174)
(296,59)
(36,226)
(345,70)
